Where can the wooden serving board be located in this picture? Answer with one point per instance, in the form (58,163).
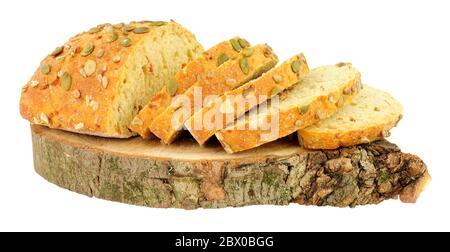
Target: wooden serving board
(185,175)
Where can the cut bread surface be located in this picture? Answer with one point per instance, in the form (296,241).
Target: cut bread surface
(315,98)
(225,109)
(194,70)
(369,117)
(250,63)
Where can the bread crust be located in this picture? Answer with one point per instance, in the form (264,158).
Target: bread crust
(268,85)
(216,83)
(185,78)
(235,140)
(85,104)
(318,138)
(327,141)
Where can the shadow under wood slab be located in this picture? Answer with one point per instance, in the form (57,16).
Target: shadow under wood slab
(185,175)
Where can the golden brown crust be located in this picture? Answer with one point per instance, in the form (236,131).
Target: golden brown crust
(216,82)
(185,78)
(84,104)
(251,94)
(235,140)
(328,141)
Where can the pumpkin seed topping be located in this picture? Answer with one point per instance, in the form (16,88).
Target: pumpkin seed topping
(125,42)
(157,23)
(87,50)
(222,58)
(46,68)
(141,30)
(275,91)
(295,66)
(58,50)
(111,37)
(243,43)
(66,81)
(172,87)
(243,63)
(247,52)
(235,44)
(304,109)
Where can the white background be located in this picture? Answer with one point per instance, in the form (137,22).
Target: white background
(399,46)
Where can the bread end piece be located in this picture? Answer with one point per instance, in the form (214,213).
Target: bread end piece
(98,80)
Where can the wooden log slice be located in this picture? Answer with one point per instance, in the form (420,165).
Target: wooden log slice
(185,175)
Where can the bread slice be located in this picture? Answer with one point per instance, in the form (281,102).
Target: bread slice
(98,81)
(184,79)
(225,109)
(317,97)
(250,63)
(369,117)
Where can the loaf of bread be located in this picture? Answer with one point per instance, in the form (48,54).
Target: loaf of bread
(369,117)
(318,96)
(98,81)
(225,109)
(184,79)
(250,63)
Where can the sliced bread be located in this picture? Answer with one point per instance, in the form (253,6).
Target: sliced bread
(98,80)
(250,63)
(225,109)
(369,117)
(317,97)
(184,79)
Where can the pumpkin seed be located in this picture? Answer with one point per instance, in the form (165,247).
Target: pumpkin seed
(247,52)
(235,44)
(141,30)
(275,91)
(295,66)
(172,87)
(304,109)
(94,29)
(125,42)
(222,58)
(157,23)
(89,67)
(128,28)
(108,29)
(58,50)
(60,58)
(243,43)
(100,53)
(119,25)
(66,81)
(111,37)
(243,63)
(87,50)
(277,78)
(45,68)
